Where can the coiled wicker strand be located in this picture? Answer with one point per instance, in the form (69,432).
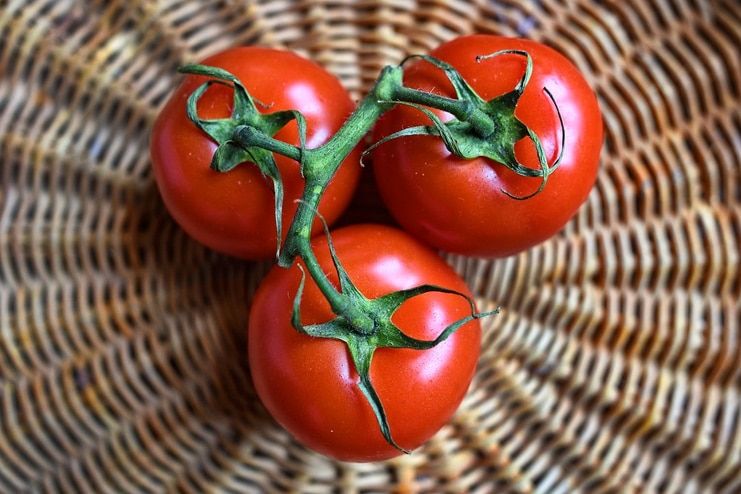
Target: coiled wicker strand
(614,366)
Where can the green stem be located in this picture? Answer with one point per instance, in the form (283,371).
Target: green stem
(458,108)
(340,303)
(333,296)
(248,136)
(321,164)
(463,110)
(329,156)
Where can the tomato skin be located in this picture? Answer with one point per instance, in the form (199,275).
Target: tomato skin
(309,385)
(233,212)
(458,205)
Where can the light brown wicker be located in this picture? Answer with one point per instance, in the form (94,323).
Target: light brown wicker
(614,366)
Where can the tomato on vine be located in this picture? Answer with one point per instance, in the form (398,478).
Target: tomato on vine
(466,205)
(310,385)
(234,212)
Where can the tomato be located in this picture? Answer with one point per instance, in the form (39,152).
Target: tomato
(309,385)
(459,205)
(233,212)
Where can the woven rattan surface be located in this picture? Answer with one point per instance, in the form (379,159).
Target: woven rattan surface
(614,366)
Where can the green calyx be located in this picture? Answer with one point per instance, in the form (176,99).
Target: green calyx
(248,125)
(480,129)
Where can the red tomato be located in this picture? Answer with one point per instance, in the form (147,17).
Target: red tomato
(233,212)
(309,385)
(457,204)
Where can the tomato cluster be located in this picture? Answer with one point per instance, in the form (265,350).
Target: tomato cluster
(473,206)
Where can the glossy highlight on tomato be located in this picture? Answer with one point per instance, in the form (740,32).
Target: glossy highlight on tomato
(309,385)
(460,205)
(234,212)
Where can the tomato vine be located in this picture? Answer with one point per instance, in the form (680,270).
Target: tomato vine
(478,128)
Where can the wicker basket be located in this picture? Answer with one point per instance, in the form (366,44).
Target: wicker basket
(613,368)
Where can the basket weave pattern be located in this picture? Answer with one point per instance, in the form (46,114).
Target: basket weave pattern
(614,366)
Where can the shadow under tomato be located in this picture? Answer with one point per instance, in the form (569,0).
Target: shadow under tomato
(366,205)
